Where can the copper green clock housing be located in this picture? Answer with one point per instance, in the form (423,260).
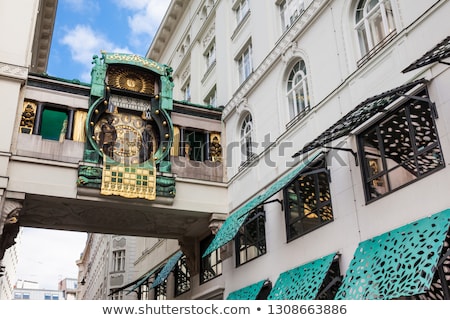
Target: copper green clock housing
(129,118)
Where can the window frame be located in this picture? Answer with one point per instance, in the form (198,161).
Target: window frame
(314,171)
(381,175)
(366,29)
(182,276)
(197,153)
(246,134)
(118,260)
(254,218)
(241,9)
(210,55)
(205,262)
(293,86)
(290,10)
(186,90)
(245,63)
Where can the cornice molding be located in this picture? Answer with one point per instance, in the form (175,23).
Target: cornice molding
(13,71)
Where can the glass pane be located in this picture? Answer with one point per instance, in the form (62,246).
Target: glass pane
(377,186)
(371,4)
(403,174)
(292,199)
(311,221)
(376,28)
(363,41)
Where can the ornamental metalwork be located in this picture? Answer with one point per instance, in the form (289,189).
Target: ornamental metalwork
(356,117)
(439,52)
(247,293)
(399,263)
(303,282)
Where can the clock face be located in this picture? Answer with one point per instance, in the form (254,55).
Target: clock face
(126,138)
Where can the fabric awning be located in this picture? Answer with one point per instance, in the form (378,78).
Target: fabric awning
(436,54)
(164,273)
(247,293)
(399,263)
(303,282)
(232,224)
(356,117)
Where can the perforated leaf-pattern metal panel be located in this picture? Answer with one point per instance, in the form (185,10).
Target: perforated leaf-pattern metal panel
(398,263)
(247,293)
(167,269)
(439,52)
(232,224)
(361,113)
(302,283)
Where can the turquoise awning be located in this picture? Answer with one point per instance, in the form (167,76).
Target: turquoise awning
(142,280)
(167,269)
(399,263)
(302,283)
(247,293)
(232,224)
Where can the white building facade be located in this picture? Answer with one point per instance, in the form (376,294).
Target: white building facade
(336,134)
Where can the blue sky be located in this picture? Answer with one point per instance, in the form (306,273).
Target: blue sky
(86,27)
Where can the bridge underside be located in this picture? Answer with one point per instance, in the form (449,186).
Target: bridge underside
(116,216)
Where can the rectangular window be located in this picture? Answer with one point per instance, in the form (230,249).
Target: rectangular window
(241,10)
(182,277)
(117,295)
(211,265)
(195,145)
(26,296)
(307,202)
(47,296)
(210,55)
(251,238)
(53,124)
(290,10)
(245,64)
(211,99)
(55,297)
(118,260)
(400,149)
(187,92)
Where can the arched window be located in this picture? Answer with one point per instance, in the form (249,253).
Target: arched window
(246,138)
(374,22)
(297,90)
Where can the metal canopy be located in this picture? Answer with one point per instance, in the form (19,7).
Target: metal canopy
(399,263)
(232,224)
(247,293)
(356,117)
(167,269)
(439,52)
(303,282)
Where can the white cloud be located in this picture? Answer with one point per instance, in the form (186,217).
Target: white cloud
(144,20)
(84,43)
